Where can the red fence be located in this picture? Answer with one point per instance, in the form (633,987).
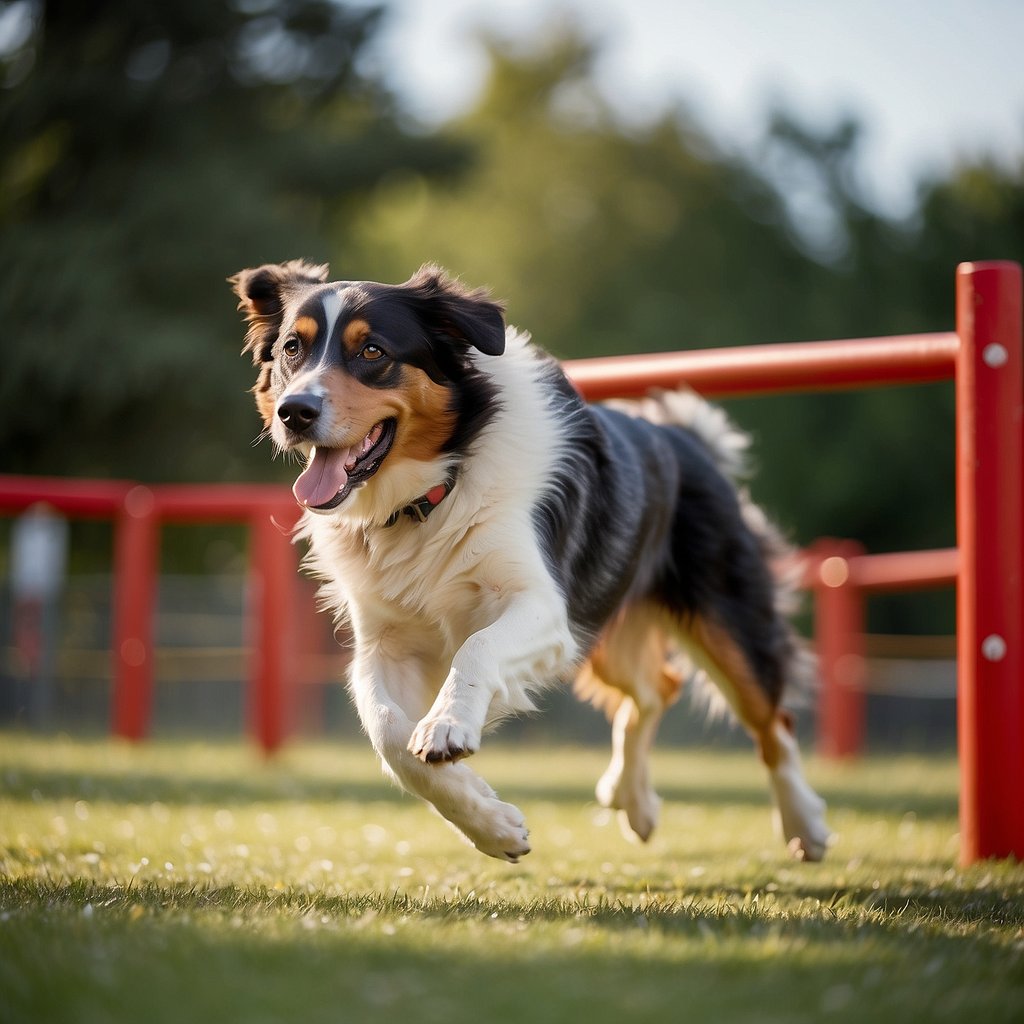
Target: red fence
(983,356)
(138,512)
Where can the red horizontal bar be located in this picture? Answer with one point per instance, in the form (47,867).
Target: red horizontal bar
(170,502)
(898,570)
(72,497)
(195,503)
(759,369)
(909,570)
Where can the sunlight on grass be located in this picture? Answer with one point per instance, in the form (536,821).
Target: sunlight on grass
(172,880)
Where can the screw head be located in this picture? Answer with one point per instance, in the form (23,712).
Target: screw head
(995,355)
(993,647)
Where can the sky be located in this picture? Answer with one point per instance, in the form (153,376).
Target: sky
(934,81)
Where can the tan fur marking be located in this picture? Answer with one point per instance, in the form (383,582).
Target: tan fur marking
(629,657)
(265,402)
(357,405)
(306,328)
(735,677)
(768,742)
(355,333)
(419,405)
(430,422)
(266,405)
(589,686)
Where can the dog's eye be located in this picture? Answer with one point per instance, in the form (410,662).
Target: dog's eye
(371,352)
(292,347)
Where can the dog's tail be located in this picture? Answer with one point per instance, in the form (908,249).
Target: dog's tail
(725,441)
(729,447)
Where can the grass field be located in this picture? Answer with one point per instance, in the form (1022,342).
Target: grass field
(196,882)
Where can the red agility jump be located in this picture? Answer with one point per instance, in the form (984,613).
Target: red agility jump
(984,357)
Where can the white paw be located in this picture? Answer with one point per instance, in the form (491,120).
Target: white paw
(499,831)
(639,805)
(440,738)
(800,818)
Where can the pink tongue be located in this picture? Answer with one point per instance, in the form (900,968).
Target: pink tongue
(323,476)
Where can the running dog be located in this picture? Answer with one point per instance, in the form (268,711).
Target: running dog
(486,532)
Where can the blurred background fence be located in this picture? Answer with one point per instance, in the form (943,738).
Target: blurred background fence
(203,675)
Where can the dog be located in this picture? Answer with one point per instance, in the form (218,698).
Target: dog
(486,532)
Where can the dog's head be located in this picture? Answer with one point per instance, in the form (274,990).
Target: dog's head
(364,378)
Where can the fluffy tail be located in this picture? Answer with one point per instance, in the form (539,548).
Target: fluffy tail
(727,444)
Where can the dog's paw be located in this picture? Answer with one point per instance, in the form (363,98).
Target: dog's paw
(500,831)
(439,738)
(639,819)
(800,818)
(639,807)
(810,841)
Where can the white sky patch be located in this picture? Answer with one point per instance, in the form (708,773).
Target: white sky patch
(934,81)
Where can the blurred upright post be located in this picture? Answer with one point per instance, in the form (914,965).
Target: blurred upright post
(839,628)
(990,510)
(135,567)
(275,581)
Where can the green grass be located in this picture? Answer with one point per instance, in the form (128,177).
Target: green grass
(197,882)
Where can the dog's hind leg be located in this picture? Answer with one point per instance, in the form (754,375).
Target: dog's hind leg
(799,811)
(628,669)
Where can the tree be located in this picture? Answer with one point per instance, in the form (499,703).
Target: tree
(150,150)
(603,238)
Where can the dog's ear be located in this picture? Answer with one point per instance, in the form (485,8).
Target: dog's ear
(262,292)
(467,316)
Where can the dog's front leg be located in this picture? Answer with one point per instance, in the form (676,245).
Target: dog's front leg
(381,688)
(529,640)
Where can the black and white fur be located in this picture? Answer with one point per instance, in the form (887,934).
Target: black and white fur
(580,542)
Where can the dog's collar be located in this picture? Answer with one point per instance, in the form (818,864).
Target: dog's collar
(423,506)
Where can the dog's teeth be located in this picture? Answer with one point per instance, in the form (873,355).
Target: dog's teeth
(364,446)
(370,440)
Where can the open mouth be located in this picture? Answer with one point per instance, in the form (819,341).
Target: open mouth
(331,474)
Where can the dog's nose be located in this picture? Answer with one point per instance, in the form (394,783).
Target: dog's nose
(300,412)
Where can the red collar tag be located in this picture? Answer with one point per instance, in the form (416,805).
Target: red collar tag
(422,507)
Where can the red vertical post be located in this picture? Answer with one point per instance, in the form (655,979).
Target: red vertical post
(990,612)
(135,573)
(275,581)
(839,632)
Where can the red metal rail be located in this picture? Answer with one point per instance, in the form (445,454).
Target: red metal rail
(87,499)
(905,570)
(772,369)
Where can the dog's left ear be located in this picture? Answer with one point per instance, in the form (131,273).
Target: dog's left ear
(470,317)
(262,291)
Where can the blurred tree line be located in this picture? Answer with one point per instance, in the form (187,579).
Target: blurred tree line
(148,150)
